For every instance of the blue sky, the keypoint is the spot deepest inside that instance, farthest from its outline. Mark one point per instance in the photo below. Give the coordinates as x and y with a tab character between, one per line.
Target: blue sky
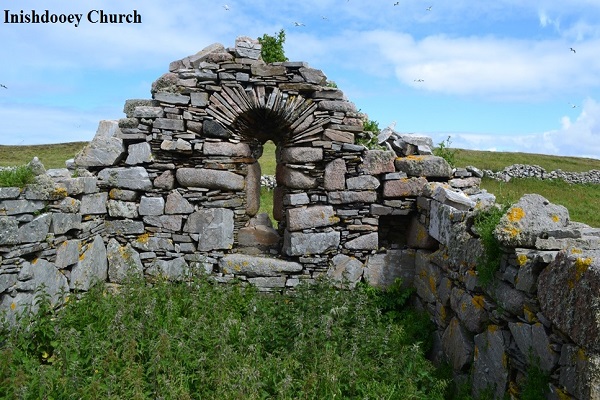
496	75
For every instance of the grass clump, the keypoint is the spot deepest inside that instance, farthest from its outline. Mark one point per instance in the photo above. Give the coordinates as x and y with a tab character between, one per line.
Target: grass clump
535	386
485	222
204	340
443	150
16	176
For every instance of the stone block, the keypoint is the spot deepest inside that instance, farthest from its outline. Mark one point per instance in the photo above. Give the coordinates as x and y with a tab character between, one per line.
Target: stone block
105	149
92	266
226	149
310	217
301	155
418	236
132	178
490	366
214	227
345	271
175	269
253	266
124	227
407	187
152	206
139	153
382	270
253	189
370	241
9	230
302	244
36	230
15	207
123	262
335	175
532	340
64	222
210	179
349	197
122	209
458	346
93	203
458	200
362	182
177	204
377	162
67	253
471	310
579	372
166	180
294	179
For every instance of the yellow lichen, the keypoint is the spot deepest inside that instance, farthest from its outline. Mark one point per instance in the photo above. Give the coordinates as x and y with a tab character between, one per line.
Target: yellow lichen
575	250
492	328
581	266
432	285
515	214
143	238
13	305
60	192
522	259
555	218
479	302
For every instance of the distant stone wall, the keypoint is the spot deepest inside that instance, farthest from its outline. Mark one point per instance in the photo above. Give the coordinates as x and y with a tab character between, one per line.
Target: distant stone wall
173	190
537	172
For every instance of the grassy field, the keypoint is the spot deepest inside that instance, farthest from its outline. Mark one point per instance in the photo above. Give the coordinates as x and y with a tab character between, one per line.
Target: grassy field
583	201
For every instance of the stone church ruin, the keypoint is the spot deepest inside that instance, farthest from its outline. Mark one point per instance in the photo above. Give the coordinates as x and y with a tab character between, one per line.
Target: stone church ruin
173	189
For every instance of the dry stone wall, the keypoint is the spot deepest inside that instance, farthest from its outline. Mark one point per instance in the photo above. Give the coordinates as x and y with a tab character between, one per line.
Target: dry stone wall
173	190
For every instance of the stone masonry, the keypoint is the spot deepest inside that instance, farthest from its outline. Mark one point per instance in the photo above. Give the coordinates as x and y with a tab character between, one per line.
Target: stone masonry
173	190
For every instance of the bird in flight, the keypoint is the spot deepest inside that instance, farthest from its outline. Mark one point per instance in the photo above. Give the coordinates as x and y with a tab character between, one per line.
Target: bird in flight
397	3
428	8
419	80
573	105
226	7
2	86
298	24
573	50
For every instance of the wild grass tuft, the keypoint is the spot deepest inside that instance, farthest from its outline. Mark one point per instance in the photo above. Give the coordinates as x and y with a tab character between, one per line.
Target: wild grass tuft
485	222
204	340
16	177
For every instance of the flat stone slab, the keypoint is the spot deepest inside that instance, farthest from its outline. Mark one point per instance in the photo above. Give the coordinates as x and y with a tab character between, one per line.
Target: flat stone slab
424	165
253	266
299	244
209	178
310	217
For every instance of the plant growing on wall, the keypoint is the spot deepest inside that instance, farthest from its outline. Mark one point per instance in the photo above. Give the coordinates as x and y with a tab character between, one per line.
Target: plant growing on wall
272	47
485	222
443	150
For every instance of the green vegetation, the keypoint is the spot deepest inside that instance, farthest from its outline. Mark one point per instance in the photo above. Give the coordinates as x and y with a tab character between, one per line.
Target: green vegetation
204	340
535	385
51	155
272	47
489	262
16	177
443	150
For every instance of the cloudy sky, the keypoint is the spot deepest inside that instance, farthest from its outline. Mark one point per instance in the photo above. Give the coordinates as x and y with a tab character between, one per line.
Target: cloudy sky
505	75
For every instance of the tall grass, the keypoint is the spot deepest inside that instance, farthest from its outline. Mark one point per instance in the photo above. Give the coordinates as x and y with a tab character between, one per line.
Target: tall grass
208	341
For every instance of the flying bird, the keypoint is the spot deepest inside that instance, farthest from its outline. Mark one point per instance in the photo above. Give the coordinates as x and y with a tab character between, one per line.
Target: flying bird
419	80
428	8
397	3
573	50
2	86
573	105
298	24
226	7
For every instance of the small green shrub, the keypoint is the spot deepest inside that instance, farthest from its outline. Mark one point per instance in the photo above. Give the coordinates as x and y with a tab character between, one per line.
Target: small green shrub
485	222
16	176
272	47
331	84
368	138
443	150
535	385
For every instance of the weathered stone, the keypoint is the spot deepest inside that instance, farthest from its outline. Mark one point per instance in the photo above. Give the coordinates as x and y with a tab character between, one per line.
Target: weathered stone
174	270
252	266
490	367
530	218
532	340
253	189
123	262
418	237
427	277
105	149
139	153
171	98
166	180
369	241
9	193
145	242
424	165
14	207
36	230
347	197
458	200
296	199
133	178
337	106
247	47
258	236
407	187
442	221
345	271
43	275
338	136
362	182
310	217
569	295
93	203
301	154
152	205
199	99
213	226
579	372
9	230
301	244
7	281
67	253
226	149
382	270
148	112
209	178
470	309
92	266
267	70
64	222
178	145
458	345
122	209
213	129
124	195
124	227
311	75
335	175
377	162
79	185
294	179
177	204
170	222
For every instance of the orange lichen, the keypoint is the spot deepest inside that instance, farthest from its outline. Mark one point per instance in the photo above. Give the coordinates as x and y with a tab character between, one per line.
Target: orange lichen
13	306
479	302
515	214
432	285
555	218
143	238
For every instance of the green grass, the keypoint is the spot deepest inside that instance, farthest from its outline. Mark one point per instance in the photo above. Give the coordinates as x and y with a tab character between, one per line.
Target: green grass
16	177
51	155
202	340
